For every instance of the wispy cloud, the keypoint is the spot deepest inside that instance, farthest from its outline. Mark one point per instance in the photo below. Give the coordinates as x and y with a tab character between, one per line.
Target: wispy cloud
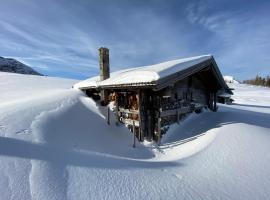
62	37
240	36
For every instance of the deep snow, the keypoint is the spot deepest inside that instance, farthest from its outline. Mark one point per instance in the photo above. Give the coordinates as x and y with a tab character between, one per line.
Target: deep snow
55	144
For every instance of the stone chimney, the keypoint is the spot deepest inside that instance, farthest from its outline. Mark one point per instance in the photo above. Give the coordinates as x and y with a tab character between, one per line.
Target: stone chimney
104	63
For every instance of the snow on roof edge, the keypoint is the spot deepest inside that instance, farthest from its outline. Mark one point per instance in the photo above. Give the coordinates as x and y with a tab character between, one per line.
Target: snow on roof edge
143	74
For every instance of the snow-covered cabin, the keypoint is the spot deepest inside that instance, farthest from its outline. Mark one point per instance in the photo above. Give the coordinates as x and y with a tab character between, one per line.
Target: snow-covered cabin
150	98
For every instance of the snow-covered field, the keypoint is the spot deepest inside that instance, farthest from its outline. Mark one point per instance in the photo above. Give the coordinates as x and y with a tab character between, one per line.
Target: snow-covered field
55	144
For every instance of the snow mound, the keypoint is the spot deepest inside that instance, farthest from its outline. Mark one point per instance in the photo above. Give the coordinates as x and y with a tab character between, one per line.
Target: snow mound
55	144
229	79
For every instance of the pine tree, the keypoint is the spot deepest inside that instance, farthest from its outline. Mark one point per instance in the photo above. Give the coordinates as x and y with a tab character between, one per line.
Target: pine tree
267	81
259	81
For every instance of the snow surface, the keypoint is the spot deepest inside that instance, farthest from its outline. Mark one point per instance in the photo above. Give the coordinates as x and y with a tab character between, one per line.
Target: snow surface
229	79
144	74
55	144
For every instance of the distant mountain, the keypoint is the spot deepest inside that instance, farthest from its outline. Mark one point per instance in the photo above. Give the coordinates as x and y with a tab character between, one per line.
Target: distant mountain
14	66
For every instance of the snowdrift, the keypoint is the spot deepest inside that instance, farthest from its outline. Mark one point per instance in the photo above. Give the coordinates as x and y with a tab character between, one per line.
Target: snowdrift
55	144
229	79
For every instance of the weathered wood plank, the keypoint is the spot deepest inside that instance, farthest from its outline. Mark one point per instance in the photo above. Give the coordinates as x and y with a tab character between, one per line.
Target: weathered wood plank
139	115
130	122
128	111
116	107
134	134
159	131
182	110
108	116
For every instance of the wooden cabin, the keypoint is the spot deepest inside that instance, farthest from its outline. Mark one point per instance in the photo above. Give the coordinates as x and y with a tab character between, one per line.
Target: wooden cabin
149	99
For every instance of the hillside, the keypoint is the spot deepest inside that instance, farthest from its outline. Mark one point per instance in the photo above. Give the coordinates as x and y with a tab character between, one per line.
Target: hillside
14	66
55	144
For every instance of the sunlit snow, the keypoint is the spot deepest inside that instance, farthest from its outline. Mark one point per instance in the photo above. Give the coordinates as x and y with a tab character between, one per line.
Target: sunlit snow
55	144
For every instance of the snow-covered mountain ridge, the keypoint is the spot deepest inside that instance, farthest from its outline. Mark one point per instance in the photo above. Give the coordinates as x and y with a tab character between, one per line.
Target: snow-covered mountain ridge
14	66
55	144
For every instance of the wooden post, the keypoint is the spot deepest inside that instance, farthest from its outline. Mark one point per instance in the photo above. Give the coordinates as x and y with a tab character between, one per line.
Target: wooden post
211	101
177	112
215	102
159	130
108	115
134	137
139	115
142	114
116	108
149	125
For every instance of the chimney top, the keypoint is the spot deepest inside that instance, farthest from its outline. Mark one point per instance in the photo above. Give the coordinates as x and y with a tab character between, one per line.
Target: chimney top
104	63
103	48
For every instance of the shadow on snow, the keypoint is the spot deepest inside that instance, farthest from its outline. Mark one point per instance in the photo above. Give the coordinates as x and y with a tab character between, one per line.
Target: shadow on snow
249	105
197	125
23	149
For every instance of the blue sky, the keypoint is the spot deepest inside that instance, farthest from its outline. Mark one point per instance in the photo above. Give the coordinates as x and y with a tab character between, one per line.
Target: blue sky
61	38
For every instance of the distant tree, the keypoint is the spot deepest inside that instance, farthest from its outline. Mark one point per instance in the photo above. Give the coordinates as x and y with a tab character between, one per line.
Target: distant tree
267	81
258	80
263	82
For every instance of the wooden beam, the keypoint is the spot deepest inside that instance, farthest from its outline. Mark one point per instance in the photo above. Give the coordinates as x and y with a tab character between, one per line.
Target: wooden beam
215	102
141	135
116	108
175	111
128	111
130	122
159	131
108	115
134	134
168	80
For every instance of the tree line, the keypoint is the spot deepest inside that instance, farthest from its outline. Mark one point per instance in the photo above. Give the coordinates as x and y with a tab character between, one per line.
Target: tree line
262	81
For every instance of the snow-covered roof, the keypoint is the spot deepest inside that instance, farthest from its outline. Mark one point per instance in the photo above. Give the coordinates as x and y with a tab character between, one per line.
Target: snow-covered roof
145	74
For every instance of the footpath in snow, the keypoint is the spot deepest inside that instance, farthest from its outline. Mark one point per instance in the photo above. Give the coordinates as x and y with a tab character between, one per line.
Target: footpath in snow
55	144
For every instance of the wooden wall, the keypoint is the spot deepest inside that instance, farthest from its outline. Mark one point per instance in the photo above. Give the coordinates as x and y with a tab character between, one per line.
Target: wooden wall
154	111
188	89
